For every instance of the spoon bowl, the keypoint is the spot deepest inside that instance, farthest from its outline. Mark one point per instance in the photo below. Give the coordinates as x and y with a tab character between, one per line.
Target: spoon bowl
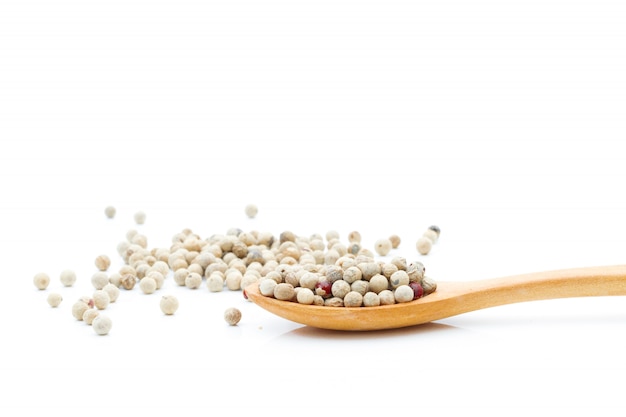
453	298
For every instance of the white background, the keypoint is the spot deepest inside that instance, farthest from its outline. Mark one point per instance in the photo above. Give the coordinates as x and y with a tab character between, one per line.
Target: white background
500	121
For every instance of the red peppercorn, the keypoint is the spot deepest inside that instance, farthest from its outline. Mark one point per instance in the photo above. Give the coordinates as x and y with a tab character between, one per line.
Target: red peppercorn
418	290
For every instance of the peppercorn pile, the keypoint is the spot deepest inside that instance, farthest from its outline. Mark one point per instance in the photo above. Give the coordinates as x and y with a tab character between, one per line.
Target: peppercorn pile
315	269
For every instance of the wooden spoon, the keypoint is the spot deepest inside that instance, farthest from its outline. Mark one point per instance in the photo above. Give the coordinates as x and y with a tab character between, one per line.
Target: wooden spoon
453	298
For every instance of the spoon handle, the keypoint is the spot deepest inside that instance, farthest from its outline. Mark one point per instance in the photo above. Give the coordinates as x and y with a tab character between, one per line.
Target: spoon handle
563	283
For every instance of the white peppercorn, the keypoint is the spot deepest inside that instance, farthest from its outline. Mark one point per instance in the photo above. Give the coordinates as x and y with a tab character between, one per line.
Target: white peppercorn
284	291
109	211
99	280
78	309
215	282
115	278
388	269
382	246
169	304
266	287
128	281
403	294
232	316
193	280
378	283
68	277
354	237
333	302
416	271
54	299
369	269
158	278
102	325
430	234
89	315
423	245
398	279
353	299
101	299
371	299
309	280
395	241
360	286
251	211
147	285
387	298
113	292
102	262
429	285
352	274
41	280
339	289
140	217
400	262
233	280
305	296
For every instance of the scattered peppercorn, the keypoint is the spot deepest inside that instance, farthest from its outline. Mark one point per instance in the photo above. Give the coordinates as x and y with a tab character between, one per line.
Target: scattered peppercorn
424	245
251	211
41	280
102	325
54	299
102	262
232	316
109	211
68	277
140	217
169	304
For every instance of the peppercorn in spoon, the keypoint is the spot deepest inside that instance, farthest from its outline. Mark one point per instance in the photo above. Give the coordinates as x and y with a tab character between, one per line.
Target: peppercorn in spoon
452	298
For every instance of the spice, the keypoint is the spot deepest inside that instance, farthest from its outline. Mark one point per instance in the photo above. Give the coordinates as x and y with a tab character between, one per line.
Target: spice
102	325
395	241
169	304
354	237
102	262
353	299
382	246
89	315
113	292
148	285
79	308
101	299
99	280
54	299
371	299
232	316
140	217
128	281
403	294
68	277
251	211
41	280
424	245
193	280
431	234
109	211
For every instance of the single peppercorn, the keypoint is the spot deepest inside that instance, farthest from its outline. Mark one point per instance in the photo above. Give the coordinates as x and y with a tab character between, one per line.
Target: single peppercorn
435	229
169	304
395	241
140	217
102	262
101	299
54	299
232	316
41	280
110	211
102	325
382	246
89	315
68	277
147	285
251	211
424	245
